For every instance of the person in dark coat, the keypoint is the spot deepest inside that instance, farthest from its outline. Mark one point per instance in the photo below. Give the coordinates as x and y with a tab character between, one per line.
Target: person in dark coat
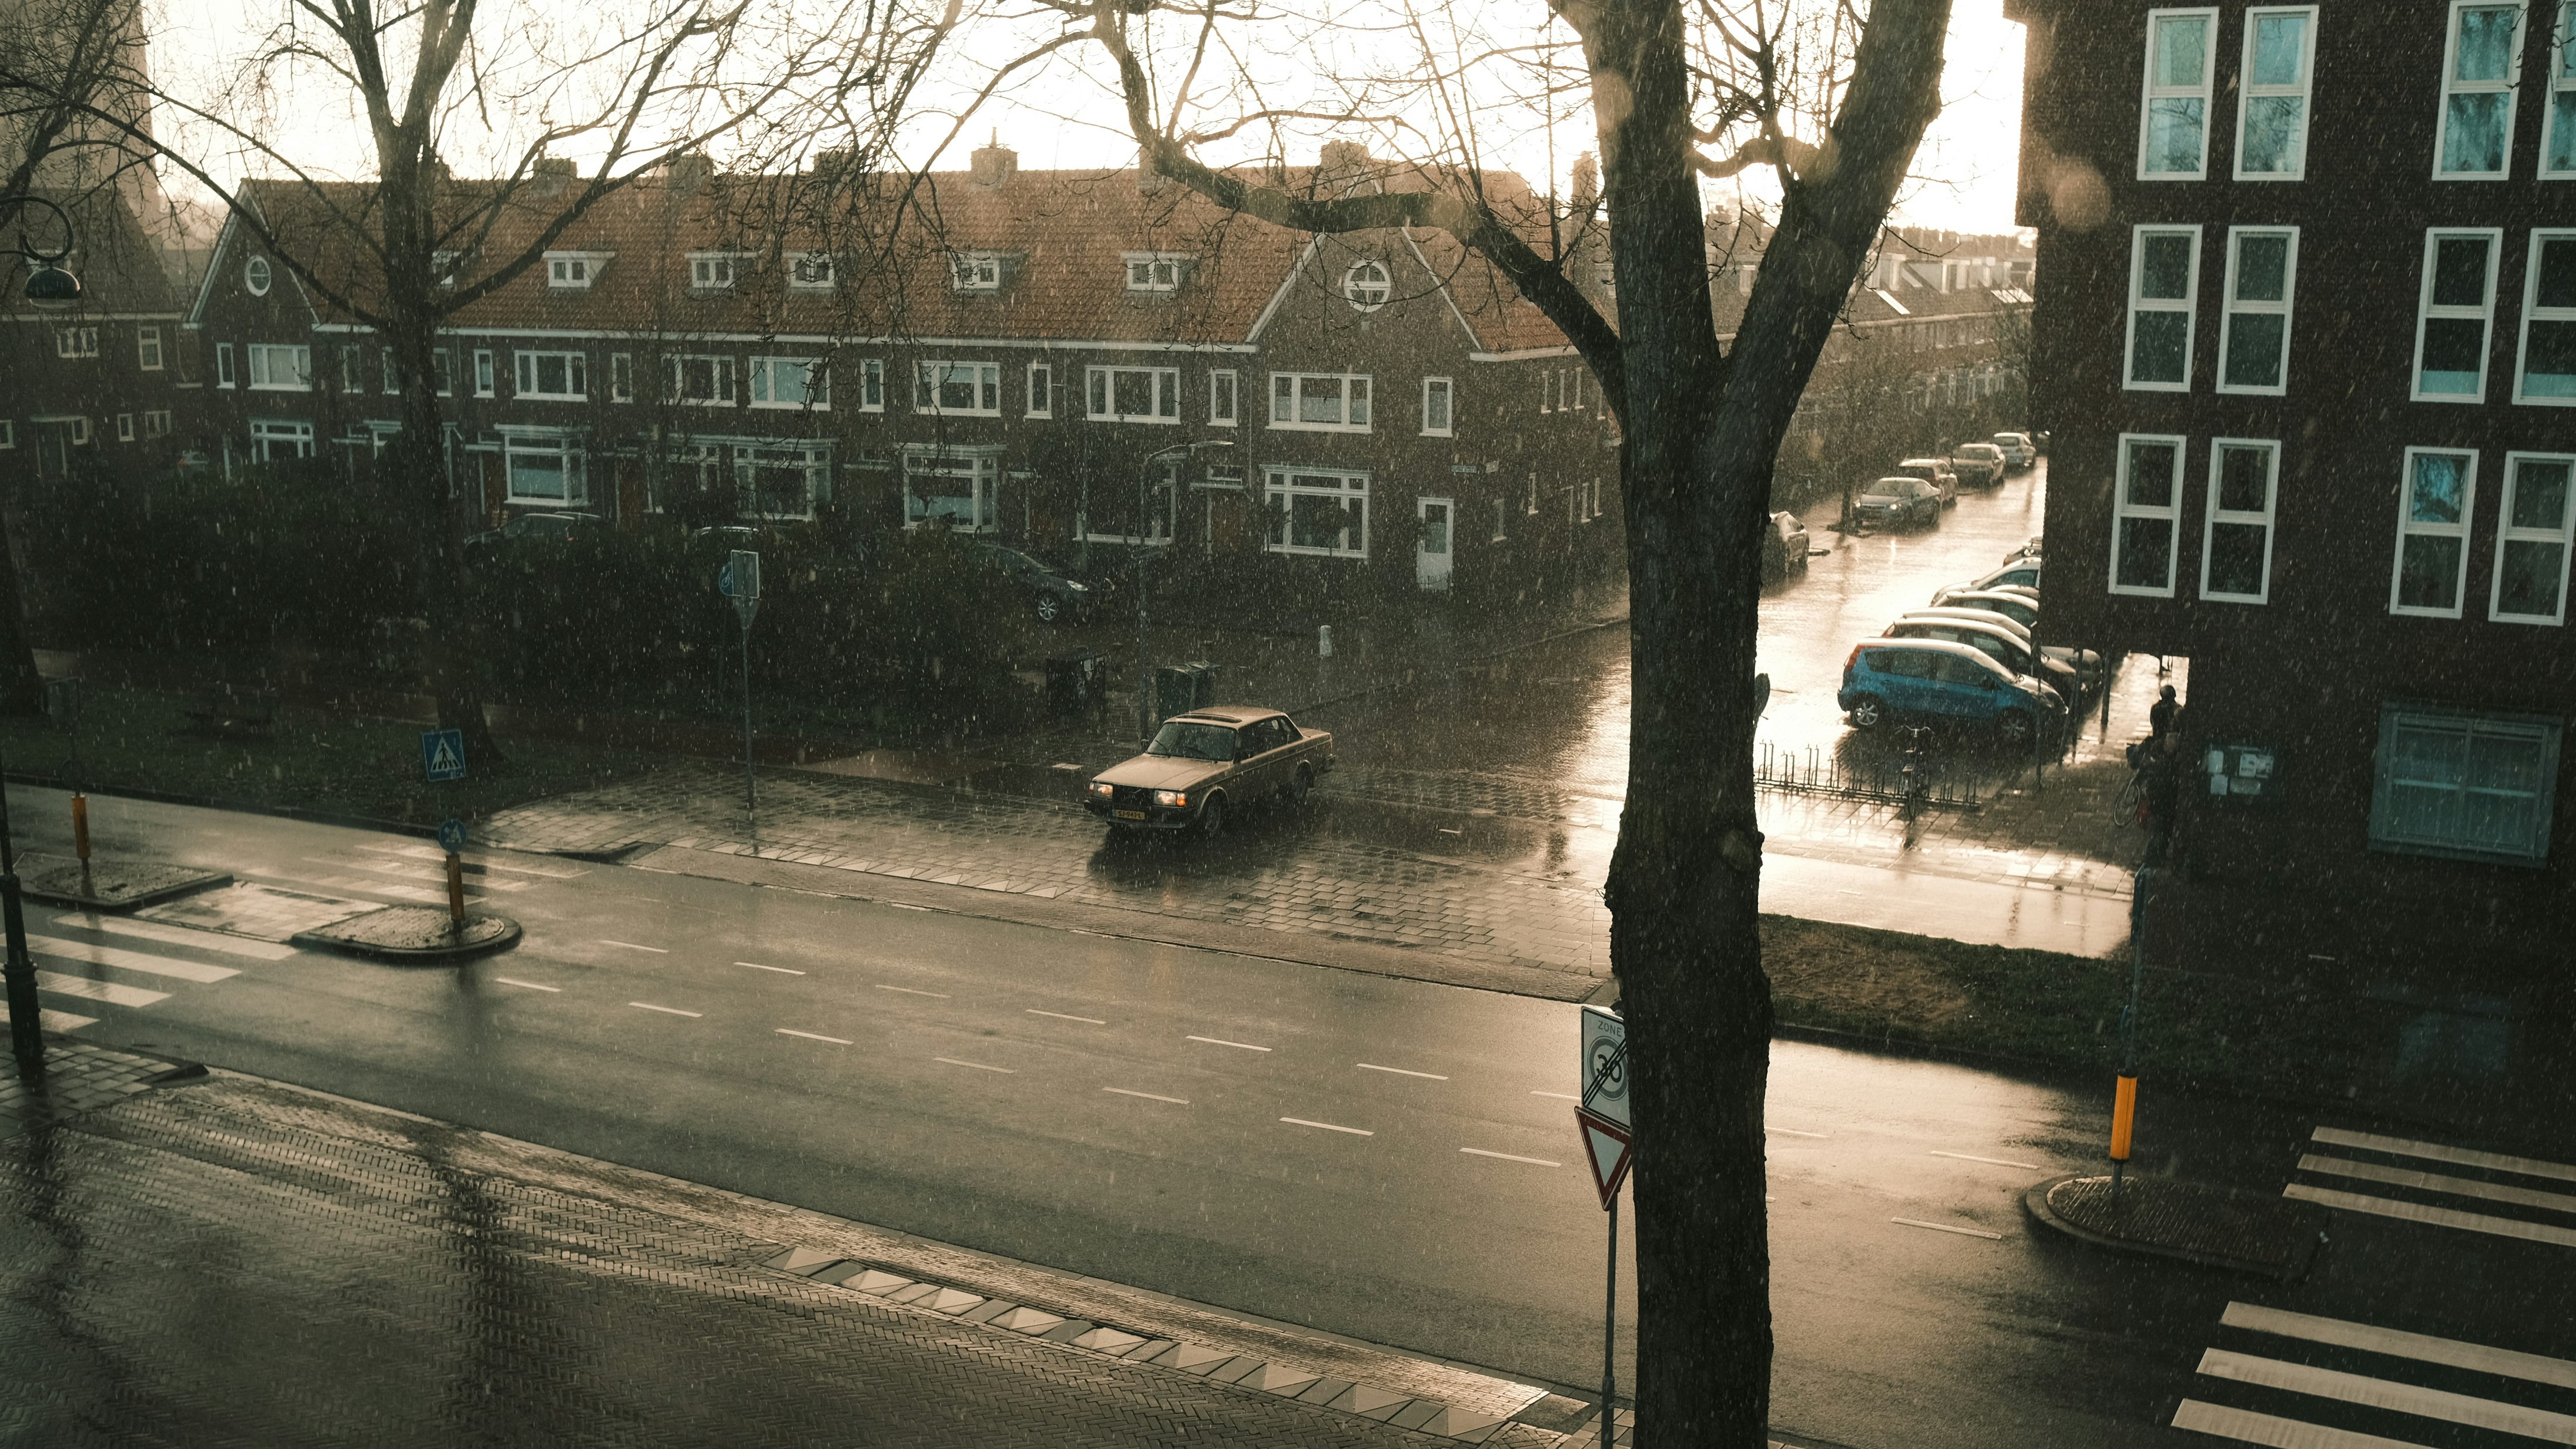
2162	715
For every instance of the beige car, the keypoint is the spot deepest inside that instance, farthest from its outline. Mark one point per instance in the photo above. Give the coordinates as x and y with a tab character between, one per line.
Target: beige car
1208	763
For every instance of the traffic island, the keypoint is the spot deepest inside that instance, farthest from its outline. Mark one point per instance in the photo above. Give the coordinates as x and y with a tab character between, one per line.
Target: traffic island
2215	1227
111	885
422	934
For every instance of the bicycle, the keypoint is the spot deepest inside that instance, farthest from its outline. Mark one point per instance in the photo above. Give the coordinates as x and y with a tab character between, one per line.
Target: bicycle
1917	776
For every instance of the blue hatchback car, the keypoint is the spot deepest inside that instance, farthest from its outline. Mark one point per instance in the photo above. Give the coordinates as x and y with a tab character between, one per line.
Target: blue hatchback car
1932	679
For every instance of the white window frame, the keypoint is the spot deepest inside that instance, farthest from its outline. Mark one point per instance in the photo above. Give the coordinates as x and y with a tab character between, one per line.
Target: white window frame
2212	517
2188	306
1279	486
722	391
814	458
2304	89
527	368
1502	520
2407	528
2508	86
76	342
147	349
817	384
156	422
717	271
1547	390
1155	272
987	384
258	276
1348	384
574	271
8	434
2149	92
267	433
391	372
554	442
2545	732
2484	313
2558	132
2231	307
1162	511
442	371
1040	383
2563	536
223	364
981	467
2532	312
872	385
812	272
262	362
1100	395
1367	293
975	271
1446	389
125	427
621	377
1225	398
487	375
2123	512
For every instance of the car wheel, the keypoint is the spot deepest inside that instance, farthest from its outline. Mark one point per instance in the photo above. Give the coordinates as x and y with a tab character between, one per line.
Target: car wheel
1212	817
1299	786
2014	726
1049	608
1868	712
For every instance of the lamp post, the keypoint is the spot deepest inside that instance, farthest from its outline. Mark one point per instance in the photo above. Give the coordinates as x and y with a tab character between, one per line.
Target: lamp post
1144	485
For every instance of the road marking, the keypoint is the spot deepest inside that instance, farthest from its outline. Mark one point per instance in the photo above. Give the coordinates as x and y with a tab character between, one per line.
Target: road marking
107	991
398	873
128	960
1507	1157
1949	1228
1060	1016
2439	1152
1995	1161
1237	1045
673	1010
1560	1096
1401	1072
2248	1427
2400	1344
1149	1096
2415	1212
181	936
979	1066
631	946
1792	1132
912	991
781	970
2438	1182
530	985
55	1020
904	906
432	852
2299	1378
814	1036
1329	1127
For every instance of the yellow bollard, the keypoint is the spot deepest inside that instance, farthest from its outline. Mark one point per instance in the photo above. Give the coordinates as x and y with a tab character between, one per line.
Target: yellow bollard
455	889
2124	1110
80	827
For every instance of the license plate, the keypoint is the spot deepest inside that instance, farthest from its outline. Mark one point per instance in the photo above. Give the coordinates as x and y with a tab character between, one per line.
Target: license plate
1131	814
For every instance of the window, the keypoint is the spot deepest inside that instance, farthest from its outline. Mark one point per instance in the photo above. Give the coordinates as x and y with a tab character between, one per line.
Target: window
1502	518
353	365
553	375
255	276
2476	131
1134	394
1366	286
1109	511
706	381
1319	402
1547	391
2457	307
442	265
275	368
8	433
2433	532
76	342
872	386
621	377
811	272
2146	516
392	371
2164	274
2254	335
147	348
2545	367
272	439
1318	513
1435	407
1569	390
545	467
713	271
223	364
2457	784
784	481
125	427
2236	538
1224	407
483	372
2533	539
2558	148
441	373
2173	126
1041	390
1154	271
156	423
972	388
951	490
975	271
2272	107
790	382
575	270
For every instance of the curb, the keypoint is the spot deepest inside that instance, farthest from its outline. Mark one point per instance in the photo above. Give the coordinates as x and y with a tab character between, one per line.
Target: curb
2035	1204
505	933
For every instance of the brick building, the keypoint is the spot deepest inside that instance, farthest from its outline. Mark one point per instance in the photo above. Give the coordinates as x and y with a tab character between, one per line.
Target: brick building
104	389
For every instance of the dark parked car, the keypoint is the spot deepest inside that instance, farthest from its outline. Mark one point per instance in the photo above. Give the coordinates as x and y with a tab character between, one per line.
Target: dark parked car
1051	595
1207	762
1897	502
1784	548
1979	465
1929	679
542	525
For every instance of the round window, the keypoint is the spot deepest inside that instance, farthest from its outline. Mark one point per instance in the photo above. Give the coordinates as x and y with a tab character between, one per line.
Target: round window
255	276
1366	286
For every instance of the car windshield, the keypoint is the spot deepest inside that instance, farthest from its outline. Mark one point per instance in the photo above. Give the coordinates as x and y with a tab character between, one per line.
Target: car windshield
1192	740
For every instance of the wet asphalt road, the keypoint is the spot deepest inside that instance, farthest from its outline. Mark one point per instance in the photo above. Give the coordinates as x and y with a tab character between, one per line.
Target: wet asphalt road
1384	1159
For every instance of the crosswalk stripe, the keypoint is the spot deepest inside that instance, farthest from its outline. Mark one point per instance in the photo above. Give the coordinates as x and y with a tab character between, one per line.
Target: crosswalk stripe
2247	1427
2398	1343
180	936
2439	1182
437	878
2443	1152
2299	1378
128	960
113	993
472	863
55	1020
2417	1212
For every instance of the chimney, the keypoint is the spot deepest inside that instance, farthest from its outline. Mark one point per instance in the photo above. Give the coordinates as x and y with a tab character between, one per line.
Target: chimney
992	166
553	175
686	174
1343	169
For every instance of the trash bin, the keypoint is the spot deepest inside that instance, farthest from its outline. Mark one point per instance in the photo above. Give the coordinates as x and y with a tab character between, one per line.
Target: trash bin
1180	688
1073	682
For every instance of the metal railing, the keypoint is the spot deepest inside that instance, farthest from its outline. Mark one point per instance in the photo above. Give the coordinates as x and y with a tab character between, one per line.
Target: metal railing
1811	771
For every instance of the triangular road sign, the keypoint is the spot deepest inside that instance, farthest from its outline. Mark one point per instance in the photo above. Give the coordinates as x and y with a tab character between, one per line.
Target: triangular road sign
1605	1147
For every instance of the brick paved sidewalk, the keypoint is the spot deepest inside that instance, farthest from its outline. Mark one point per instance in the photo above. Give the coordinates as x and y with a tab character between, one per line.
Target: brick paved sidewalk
230	1261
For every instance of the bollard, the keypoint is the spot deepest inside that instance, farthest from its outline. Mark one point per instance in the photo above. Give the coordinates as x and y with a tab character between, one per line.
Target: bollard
80	828
455	891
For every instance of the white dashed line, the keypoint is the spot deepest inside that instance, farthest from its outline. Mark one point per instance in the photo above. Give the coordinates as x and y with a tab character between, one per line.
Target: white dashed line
1060	1016
1237	1045
1992	1161
1792	1132
911	991
1507	1157
1560	1096
1399	1071
814	1036
979	1066
1948	1228
527	985
1327	1126
781	970
672	1010
1149	1096
631	946
904	906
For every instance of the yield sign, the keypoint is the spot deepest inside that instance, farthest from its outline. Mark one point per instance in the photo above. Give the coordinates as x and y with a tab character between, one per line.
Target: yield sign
1605	1146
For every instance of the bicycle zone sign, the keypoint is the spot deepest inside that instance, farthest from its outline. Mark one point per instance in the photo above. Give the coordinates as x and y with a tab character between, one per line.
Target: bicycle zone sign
1603	1116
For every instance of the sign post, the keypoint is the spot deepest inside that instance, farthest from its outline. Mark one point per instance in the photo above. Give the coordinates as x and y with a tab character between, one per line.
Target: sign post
451	838
739	580
1603	1120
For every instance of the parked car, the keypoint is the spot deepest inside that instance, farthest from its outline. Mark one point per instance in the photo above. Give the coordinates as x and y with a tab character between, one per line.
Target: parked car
2005	641
1205	764
1932	679
2023	571
1979	465
541	525
2021	606
2018	450
1784	548
1935	471
1897	502
2030	549
1051	596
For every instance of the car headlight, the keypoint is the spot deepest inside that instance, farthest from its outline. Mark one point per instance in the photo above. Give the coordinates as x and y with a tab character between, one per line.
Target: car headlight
1078	588
1102	788
1171	797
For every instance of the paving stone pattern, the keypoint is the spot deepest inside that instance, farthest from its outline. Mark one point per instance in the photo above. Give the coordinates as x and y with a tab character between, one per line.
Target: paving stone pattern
77	1077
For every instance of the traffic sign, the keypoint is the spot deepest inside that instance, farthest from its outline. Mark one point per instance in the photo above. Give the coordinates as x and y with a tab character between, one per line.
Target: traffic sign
1605	1064
739	580
442	755
1606	1149
451	835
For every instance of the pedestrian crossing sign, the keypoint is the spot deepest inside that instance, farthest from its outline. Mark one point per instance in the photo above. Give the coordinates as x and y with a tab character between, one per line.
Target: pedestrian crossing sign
442	755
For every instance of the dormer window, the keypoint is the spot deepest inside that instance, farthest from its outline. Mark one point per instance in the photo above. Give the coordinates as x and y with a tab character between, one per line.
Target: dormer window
574	271
811	272
442	267
1155	271
975	271
713	271
1366	286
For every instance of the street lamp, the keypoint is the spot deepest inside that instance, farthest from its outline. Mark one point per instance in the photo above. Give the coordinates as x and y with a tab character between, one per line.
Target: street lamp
50	287
1144	667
